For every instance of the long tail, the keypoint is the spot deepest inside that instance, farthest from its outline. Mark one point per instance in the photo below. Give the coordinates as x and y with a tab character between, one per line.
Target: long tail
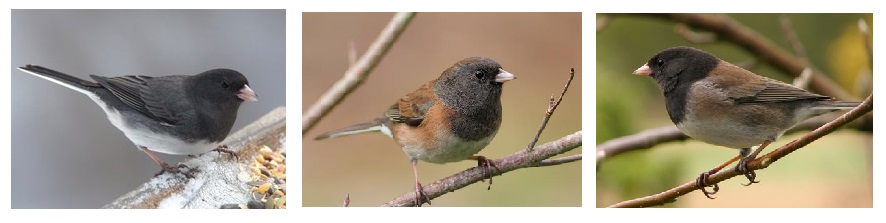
66	80
376	125
836	105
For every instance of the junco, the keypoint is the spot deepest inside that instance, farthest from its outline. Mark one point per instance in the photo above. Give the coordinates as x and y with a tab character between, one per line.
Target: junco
722	104
446	120
182	114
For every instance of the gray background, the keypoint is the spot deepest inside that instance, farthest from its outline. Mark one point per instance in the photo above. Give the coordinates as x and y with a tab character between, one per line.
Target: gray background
65	153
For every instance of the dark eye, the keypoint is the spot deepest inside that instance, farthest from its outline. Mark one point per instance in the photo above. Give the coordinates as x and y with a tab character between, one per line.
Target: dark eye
659	62
478	74
225	85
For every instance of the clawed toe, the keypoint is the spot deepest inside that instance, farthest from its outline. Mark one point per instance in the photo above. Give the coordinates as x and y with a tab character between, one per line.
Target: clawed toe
488	167
224	149
420	196
702	182
178	169
748	173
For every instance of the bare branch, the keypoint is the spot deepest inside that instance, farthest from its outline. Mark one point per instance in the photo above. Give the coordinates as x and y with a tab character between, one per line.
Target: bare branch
643	140
757	164
551	107
522	159
358	72
694	37
558	161
352	53
792	38
652	137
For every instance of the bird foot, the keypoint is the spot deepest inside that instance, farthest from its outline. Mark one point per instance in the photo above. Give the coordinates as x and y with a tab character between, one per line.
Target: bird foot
167	168
488	167
420	196
702	182
224	149
742	168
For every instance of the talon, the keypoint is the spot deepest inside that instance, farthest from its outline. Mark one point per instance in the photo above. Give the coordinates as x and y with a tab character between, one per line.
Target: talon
487	165
166	168
702	181
224	149
420	196
748	173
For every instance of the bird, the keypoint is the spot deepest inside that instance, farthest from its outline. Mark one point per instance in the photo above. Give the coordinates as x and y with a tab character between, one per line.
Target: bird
178	114
448	119
719	103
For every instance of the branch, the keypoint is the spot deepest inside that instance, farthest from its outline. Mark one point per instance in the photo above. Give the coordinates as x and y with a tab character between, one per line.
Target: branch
652	137
357	72
522	159
792	38
692	36
221	179
767	51
757	164
643	140
558	161
552	105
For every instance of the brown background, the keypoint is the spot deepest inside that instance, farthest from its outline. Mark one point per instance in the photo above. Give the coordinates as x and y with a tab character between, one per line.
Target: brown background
539	48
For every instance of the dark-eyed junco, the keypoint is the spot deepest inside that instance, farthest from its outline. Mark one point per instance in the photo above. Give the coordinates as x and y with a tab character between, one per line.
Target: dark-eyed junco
722	104
182	114
446	120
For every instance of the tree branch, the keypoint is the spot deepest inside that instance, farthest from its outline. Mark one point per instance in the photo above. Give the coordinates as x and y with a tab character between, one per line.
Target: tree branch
357	72
757	164
692	36
522	159
558	161
729	29
652	137
552	105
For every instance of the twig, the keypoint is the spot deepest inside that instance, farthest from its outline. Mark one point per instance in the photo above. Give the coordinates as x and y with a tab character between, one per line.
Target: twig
552	105
802	80
558	161
747	64
729	29
643	140
352	53
522	159
358	72
694	37
757	164
792	38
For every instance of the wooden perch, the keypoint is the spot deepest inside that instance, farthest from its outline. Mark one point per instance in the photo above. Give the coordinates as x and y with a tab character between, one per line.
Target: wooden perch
221	179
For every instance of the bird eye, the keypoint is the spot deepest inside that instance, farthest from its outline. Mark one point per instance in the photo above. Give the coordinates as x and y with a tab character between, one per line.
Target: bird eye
659	62
478	74
225	85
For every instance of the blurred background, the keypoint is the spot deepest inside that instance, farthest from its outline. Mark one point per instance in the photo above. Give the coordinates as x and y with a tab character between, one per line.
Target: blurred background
65	153
539	48
834	171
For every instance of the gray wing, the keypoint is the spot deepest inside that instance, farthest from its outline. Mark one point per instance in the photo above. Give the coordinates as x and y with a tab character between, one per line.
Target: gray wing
135	92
